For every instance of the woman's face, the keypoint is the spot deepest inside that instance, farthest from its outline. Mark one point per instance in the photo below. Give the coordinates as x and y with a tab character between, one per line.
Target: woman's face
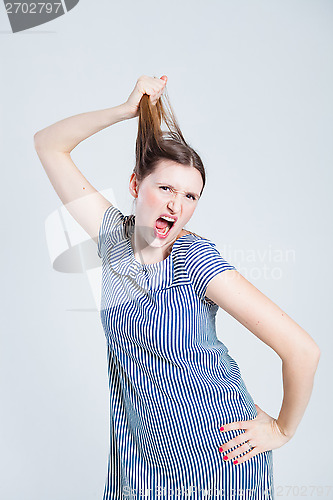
172	190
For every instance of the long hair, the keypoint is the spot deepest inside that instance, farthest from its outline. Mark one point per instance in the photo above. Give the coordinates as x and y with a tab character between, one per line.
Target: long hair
153	144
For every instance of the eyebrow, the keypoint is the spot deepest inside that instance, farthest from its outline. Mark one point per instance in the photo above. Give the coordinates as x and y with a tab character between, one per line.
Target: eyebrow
169	185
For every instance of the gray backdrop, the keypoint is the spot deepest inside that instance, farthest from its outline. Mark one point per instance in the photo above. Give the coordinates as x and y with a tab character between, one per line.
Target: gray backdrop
251	86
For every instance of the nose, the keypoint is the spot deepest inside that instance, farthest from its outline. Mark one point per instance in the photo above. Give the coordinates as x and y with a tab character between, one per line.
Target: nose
175	202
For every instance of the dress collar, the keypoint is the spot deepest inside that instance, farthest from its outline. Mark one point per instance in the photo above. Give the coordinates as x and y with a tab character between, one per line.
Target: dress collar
121	259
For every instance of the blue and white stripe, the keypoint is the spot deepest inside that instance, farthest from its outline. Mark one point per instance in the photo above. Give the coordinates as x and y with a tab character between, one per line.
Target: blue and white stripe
172	381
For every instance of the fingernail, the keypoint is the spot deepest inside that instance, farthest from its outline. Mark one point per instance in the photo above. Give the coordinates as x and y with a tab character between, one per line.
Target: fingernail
225	457
220	448
235	462
221	428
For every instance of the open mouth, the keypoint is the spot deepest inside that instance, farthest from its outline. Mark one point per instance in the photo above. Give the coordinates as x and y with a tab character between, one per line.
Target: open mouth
163	225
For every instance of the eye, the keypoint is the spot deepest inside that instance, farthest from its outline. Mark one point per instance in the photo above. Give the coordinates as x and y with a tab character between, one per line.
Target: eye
164	187
193	198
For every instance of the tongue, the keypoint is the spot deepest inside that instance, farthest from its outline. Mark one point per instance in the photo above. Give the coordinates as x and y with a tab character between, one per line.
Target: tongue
161	223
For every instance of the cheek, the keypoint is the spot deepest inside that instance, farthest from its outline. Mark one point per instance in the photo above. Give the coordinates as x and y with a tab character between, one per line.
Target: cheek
190	211
150	199
154	199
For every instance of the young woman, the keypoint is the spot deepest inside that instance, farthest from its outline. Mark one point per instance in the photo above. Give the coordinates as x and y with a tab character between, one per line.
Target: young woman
183	424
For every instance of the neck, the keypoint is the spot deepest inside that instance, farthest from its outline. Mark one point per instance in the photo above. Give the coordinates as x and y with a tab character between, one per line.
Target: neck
147	254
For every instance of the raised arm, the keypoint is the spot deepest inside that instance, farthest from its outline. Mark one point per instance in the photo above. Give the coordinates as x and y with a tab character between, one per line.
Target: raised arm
54	144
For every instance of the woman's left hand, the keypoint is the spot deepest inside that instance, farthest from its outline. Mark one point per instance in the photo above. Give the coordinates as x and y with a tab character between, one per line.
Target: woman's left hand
262	433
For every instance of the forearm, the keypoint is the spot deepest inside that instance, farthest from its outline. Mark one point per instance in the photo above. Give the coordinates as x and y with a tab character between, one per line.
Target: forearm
298	376
66	134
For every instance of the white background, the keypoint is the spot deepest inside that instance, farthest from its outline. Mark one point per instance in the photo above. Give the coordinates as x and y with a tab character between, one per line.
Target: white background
251	85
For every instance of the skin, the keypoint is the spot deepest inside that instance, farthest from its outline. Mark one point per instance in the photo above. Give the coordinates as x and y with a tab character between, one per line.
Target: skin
55	143
229	289
153	198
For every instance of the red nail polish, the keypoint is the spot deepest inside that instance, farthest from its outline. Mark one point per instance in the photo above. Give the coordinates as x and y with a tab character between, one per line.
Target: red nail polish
235	462
220	448
225	457
221	428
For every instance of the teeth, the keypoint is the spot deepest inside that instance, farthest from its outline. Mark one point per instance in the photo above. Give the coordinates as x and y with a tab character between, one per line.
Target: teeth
167	218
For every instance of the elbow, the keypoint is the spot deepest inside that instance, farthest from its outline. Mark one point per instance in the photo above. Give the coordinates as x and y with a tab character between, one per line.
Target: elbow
41	140
309	353
36	140
315	358
314	351
317	354
313	355
44	143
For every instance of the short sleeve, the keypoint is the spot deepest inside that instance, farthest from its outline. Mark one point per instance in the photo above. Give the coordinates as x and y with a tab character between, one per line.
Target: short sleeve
111	225
202	262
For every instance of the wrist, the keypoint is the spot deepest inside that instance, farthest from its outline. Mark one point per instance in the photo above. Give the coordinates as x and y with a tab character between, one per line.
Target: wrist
125	112
284	430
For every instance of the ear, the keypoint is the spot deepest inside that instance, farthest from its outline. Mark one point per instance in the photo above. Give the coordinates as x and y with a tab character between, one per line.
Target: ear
133	185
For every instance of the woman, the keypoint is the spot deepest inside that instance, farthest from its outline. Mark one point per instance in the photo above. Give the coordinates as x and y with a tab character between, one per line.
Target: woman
183	424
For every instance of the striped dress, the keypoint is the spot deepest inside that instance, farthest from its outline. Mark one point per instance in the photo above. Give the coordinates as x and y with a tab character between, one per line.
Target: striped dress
172	382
